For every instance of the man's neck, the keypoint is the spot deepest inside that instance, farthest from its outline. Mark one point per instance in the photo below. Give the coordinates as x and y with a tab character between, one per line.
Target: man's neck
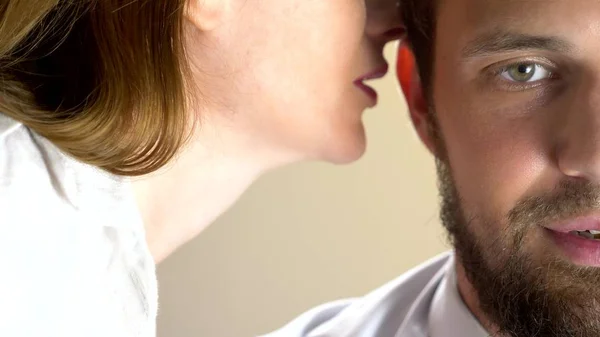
469	297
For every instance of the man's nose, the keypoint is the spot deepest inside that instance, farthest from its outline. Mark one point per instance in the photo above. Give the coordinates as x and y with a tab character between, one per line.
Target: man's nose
578	148
384	22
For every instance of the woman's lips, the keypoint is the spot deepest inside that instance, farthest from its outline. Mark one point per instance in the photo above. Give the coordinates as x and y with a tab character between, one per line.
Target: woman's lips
369	91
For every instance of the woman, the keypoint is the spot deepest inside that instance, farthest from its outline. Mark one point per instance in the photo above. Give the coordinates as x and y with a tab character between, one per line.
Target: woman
126	127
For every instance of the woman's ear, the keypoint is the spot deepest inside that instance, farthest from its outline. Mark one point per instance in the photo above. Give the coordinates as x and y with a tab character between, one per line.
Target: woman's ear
206	15
412	88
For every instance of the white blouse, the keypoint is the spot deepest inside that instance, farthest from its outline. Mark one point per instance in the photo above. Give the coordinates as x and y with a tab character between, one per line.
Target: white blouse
73	255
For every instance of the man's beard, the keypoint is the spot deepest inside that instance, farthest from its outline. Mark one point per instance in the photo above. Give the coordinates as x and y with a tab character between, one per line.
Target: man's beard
523	295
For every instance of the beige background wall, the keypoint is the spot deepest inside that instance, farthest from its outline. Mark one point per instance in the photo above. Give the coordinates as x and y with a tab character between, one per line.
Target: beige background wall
309	234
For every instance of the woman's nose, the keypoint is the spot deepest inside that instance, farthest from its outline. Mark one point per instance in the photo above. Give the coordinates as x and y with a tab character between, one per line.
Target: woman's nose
384	22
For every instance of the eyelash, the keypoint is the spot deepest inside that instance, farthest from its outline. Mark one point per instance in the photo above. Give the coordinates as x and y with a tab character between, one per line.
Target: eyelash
497	72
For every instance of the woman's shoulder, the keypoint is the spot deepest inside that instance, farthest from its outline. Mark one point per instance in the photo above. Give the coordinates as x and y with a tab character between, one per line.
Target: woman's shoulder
41	184
29	164
9	126
34	171
71	243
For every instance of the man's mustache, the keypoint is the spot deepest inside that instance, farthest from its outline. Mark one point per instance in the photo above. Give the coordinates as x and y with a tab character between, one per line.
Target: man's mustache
570	199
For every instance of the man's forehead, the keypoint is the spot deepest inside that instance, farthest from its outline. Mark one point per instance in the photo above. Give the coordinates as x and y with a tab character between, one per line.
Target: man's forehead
466	20
520	11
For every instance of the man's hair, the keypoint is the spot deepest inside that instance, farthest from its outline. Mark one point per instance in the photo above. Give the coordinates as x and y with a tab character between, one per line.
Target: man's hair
101	79
420	19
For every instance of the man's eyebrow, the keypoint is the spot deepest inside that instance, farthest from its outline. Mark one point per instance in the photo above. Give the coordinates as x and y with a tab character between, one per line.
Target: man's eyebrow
500	41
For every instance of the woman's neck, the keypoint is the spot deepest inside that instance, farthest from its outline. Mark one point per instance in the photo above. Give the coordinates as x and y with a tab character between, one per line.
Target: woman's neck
209	175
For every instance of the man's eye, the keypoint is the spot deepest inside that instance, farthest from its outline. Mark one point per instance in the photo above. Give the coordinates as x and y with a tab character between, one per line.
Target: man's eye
525	73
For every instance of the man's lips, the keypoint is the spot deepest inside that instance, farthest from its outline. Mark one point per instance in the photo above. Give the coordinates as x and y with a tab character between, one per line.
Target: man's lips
581	223
573	238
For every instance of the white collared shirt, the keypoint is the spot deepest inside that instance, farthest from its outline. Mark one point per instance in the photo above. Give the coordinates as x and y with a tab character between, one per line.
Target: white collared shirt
424	302
73	255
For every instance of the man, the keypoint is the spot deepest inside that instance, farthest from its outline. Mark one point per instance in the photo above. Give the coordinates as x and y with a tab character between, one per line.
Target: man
508	101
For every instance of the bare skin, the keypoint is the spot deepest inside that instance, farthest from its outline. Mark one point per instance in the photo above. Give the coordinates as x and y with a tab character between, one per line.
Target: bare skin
276	84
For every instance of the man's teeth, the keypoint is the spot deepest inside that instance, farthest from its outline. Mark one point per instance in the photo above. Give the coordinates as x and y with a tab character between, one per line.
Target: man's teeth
589	234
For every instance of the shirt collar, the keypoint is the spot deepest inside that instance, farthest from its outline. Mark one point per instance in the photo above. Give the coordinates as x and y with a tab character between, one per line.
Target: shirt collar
448	314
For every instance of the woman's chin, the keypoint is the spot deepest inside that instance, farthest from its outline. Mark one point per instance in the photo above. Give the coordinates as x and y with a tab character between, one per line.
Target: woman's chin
339	149
346	151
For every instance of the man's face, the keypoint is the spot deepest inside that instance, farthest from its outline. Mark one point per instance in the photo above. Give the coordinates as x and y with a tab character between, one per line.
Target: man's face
516	101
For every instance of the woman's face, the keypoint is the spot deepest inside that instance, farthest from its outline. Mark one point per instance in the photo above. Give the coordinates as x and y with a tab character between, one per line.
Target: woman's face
289	72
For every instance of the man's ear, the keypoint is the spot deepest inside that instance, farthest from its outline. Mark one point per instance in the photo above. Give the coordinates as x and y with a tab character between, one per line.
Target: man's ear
206	15
412	88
